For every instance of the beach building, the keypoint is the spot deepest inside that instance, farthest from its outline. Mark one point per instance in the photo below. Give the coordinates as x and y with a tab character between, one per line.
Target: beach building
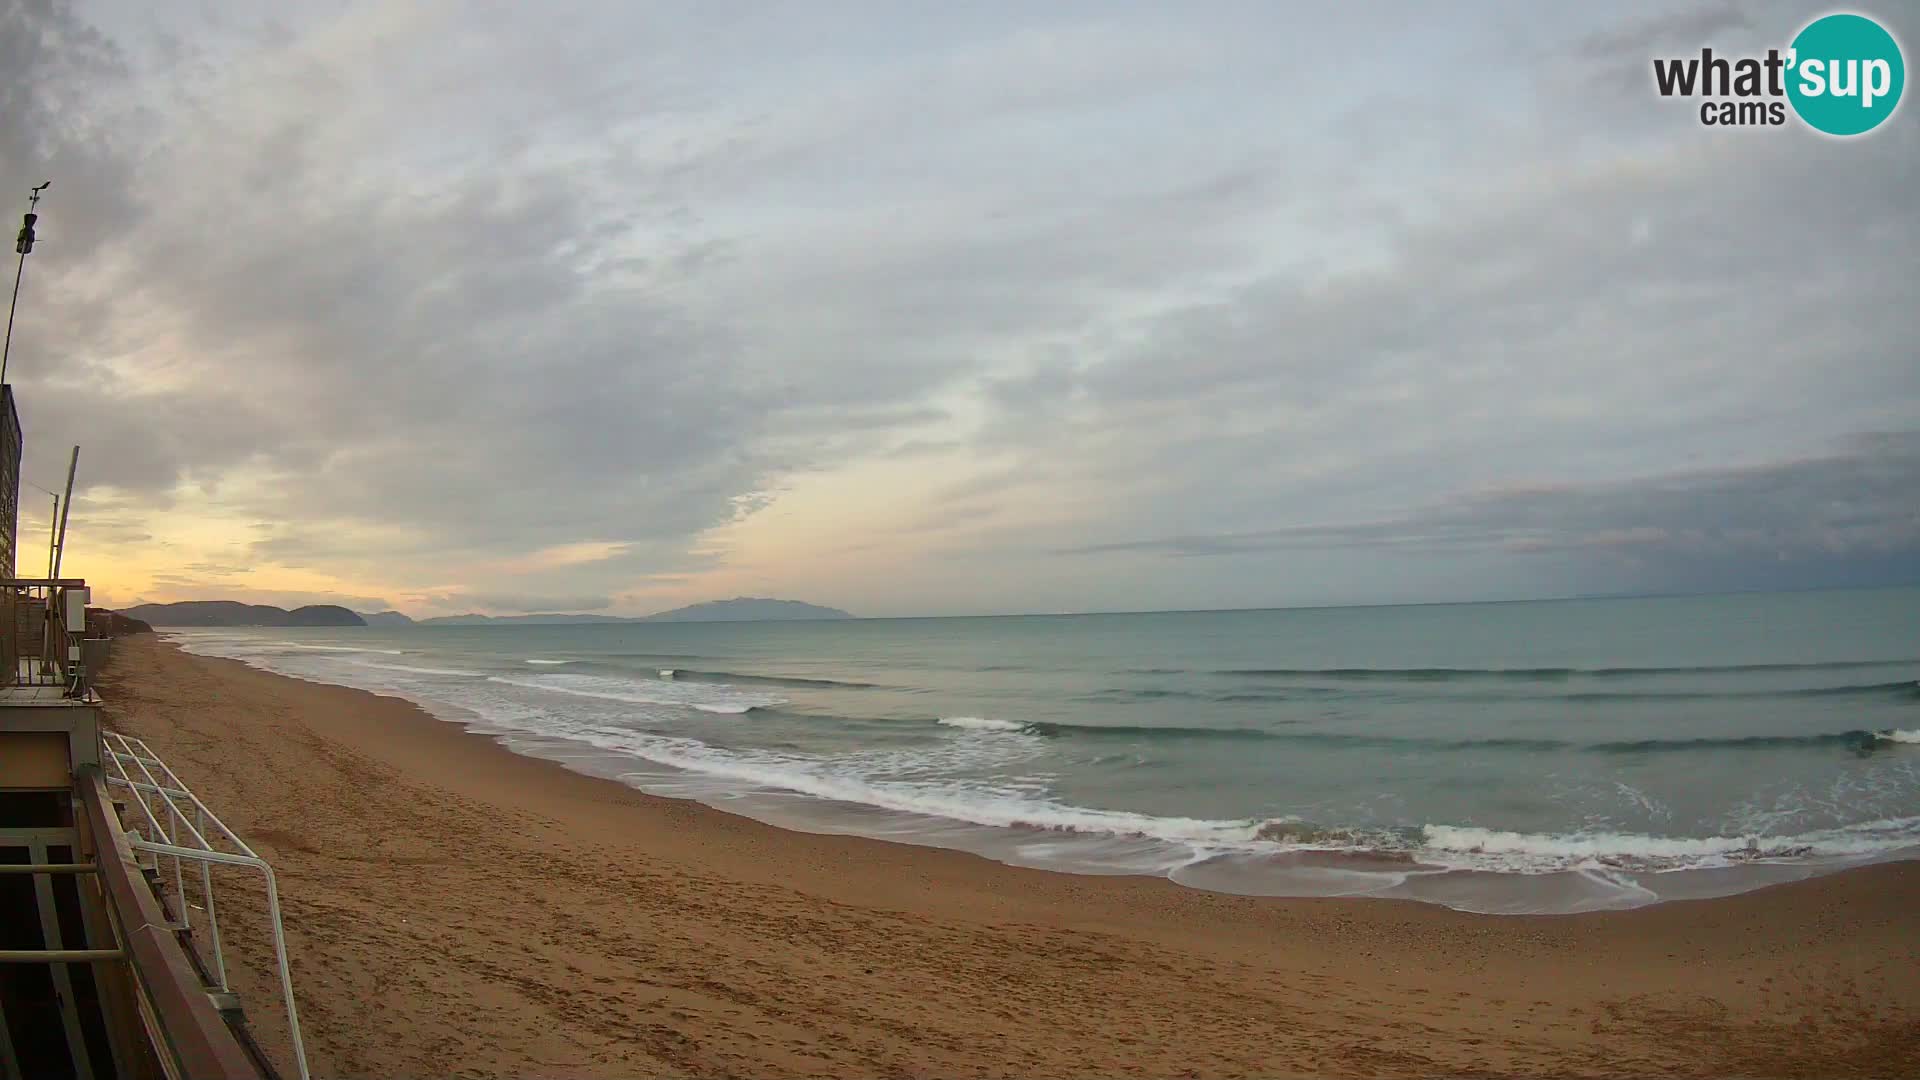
111	959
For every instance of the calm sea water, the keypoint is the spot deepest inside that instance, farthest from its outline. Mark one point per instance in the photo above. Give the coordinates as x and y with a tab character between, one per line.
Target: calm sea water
1550	756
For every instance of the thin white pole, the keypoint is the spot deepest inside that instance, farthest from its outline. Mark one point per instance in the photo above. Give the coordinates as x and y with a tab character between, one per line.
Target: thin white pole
66	511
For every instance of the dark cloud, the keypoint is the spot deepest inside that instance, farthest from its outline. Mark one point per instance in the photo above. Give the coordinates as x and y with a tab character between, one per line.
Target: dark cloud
1559	325
1813	514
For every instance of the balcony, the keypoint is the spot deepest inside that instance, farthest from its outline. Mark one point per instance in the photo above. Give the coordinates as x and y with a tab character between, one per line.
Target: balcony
44	648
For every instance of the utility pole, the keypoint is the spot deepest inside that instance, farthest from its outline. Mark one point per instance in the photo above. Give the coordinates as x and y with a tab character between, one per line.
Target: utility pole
24	245
53	534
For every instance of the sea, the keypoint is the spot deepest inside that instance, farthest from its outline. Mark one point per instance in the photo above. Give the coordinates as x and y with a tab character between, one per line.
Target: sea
1552	756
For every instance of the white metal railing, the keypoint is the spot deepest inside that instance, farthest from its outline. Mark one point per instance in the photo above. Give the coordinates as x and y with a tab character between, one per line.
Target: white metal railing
183	837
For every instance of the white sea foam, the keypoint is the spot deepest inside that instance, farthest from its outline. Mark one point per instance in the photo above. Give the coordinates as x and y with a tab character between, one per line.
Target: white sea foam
982	723
1468	839
667	673
1900	736
960	801
1497	849
549	663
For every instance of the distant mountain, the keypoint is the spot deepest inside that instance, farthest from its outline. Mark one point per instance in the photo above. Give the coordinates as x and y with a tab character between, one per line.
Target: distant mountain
104	623
748	609
233	613
384	618
323	615
739	609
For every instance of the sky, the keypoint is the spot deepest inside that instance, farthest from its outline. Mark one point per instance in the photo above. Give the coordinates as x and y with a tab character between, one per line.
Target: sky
949	309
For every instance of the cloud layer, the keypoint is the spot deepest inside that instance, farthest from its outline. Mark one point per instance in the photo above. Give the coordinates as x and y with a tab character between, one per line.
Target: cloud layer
639	307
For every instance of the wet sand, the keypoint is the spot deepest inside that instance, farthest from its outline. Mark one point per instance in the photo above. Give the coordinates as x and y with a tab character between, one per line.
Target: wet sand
455	909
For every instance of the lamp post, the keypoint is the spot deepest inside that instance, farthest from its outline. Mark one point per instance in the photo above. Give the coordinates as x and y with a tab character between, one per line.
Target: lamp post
24	245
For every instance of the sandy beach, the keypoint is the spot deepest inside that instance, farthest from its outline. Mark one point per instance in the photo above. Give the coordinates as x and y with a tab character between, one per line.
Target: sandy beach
455	909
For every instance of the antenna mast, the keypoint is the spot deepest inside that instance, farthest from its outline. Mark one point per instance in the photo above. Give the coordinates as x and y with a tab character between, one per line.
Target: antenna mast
24	245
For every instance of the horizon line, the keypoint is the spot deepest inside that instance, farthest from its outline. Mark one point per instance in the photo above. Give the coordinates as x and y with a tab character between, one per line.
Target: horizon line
601	616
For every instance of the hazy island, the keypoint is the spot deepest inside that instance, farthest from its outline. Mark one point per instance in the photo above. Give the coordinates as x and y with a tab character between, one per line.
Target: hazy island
738	609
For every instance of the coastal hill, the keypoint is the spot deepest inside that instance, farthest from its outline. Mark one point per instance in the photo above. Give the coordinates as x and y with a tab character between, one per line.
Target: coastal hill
233	613
739	609
104	623
385	618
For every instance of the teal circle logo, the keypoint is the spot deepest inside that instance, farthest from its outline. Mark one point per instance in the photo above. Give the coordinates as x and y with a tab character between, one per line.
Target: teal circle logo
1845	74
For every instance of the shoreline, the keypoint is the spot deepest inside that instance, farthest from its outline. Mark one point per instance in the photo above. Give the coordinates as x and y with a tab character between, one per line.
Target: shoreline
1514	873
454	906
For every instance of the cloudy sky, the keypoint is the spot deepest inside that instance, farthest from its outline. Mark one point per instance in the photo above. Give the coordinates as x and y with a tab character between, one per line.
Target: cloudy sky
921	309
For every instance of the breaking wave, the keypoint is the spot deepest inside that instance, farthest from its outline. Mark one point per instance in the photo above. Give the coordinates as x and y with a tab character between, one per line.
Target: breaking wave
983	723
336	648
1858	741
1386	690
1534	853
420	670
1542	674
952	800
711	699
997	772
741	678
1439	846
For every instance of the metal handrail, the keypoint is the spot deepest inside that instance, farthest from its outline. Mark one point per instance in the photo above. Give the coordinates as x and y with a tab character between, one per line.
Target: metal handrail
47	651
178	1015
168	789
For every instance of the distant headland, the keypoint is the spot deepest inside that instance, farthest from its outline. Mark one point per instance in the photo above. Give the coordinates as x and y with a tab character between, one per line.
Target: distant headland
233	613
